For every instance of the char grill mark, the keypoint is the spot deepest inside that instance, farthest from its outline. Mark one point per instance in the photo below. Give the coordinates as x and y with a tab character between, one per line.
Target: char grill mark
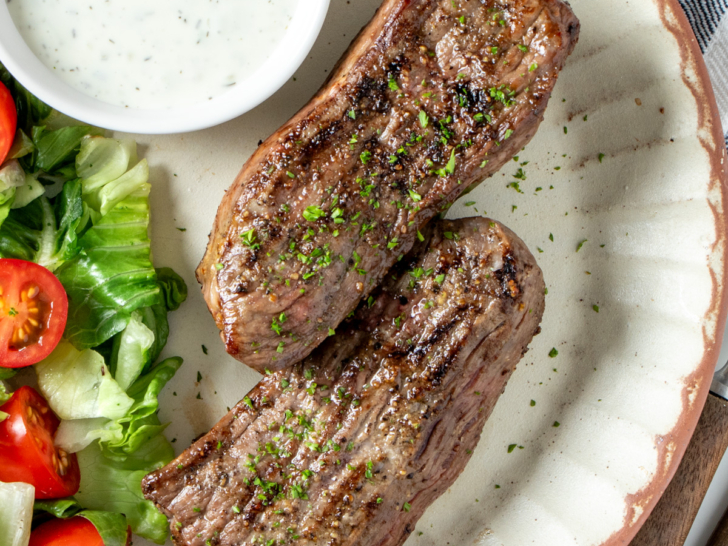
350	446
430	99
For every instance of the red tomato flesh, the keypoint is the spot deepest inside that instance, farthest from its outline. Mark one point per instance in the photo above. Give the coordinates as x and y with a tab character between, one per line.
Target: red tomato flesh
33	312
27	452
75	531
8	121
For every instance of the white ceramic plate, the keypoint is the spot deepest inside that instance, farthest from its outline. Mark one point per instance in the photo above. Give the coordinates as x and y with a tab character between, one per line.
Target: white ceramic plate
629	380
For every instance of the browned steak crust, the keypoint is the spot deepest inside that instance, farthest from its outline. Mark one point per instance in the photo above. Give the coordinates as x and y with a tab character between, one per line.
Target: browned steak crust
349	447
431	98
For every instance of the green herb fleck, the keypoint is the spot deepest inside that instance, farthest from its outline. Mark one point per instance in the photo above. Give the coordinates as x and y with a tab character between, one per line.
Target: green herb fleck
424	119
313	213
553	353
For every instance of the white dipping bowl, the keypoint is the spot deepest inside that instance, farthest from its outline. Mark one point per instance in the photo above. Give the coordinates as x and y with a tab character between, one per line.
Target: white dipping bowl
288	55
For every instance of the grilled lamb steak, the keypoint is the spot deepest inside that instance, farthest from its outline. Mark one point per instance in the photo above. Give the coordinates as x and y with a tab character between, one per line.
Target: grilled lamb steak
350	446
431	98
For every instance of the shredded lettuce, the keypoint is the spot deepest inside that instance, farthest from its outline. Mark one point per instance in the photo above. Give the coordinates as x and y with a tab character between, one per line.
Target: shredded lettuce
16	513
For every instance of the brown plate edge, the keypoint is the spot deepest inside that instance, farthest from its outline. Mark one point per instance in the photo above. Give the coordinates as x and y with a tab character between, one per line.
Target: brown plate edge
672	446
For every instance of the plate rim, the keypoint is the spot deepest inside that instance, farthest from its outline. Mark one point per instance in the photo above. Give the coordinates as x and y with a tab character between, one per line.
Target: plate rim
697	385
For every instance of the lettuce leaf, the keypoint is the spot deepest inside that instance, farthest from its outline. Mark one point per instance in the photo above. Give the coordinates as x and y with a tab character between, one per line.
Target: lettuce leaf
31	110
111	526
16	513
131	354
103	164
5	373
78	385
55	151
46	233
110	486
112	276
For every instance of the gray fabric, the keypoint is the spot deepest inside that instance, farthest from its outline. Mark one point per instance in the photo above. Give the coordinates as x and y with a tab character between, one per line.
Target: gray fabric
709	19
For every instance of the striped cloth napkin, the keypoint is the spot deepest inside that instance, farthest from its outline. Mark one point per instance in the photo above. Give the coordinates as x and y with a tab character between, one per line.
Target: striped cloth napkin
709	19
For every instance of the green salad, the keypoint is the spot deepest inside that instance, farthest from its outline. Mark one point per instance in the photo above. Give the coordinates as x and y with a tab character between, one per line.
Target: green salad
77	203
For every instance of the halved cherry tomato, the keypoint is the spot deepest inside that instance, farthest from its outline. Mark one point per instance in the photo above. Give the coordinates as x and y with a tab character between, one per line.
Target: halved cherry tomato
75	531
33	312
27	452
8	121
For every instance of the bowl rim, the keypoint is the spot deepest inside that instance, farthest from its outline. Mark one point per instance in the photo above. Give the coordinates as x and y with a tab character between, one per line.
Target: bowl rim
275	71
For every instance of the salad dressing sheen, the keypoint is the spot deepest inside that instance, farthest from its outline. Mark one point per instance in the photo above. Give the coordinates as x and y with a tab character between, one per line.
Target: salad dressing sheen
152	53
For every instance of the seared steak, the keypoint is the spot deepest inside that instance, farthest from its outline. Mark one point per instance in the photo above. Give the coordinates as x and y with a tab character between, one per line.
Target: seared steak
350	446
431	98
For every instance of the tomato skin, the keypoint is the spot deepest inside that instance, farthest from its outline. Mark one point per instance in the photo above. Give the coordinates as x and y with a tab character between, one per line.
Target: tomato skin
26	448
49	302
76	531
8	121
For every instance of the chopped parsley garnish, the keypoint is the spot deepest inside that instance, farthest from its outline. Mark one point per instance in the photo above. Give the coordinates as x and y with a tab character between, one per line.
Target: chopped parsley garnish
365	156
416	197
512	447
533	67
313	213
596	308
449	168
424	120
556	424
248	402
420	237
601	156
249	238
352	114
406	507
440	279
553	353
523	48
581	244
290	174
393	84
502	94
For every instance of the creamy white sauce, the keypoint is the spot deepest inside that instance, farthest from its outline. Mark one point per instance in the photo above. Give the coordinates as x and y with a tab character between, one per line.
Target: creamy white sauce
152	53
